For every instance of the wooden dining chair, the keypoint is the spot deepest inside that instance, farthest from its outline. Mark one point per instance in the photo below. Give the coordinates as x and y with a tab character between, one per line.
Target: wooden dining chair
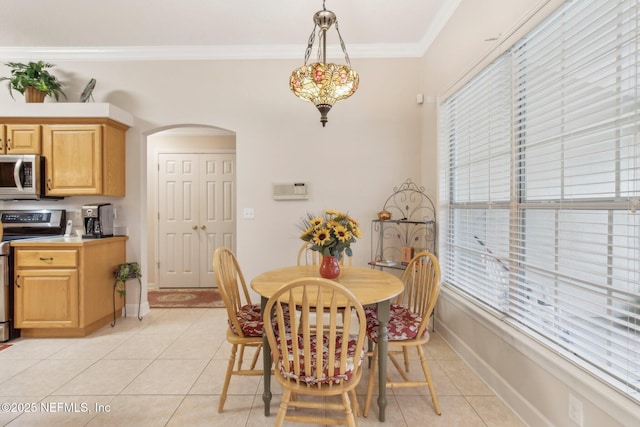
346	259
306	256
322	364
408	325
244	317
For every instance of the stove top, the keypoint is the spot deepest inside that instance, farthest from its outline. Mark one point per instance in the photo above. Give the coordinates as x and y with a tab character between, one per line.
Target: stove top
30	224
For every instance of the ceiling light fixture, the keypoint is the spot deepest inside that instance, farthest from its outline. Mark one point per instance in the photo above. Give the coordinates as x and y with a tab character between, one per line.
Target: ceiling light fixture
321	83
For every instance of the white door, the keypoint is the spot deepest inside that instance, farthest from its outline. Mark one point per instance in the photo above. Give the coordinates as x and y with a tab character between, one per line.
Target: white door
196	214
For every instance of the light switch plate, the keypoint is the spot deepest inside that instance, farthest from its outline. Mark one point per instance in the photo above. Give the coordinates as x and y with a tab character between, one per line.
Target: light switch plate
248	213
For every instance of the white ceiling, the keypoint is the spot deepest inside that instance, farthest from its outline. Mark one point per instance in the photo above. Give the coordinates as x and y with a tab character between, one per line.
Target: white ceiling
217	28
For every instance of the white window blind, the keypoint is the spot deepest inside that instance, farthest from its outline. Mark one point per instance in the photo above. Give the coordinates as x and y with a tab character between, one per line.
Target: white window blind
540	187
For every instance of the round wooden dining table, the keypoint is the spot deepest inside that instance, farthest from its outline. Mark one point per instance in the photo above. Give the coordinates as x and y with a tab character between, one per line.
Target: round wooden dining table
368	286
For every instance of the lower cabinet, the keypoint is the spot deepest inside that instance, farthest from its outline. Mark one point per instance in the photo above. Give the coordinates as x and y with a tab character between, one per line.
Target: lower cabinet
47	299
65	289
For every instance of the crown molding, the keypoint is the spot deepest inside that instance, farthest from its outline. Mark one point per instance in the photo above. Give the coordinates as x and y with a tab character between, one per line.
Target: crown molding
439	21
183	53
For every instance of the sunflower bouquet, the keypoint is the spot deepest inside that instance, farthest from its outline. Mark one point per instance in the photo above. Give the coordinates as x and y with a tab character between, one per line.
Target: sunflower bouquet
331	233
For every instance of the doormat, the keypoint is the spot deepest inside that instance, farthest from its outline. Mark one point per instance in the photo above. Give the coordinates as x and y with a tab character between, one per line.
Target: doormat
185	298
3	346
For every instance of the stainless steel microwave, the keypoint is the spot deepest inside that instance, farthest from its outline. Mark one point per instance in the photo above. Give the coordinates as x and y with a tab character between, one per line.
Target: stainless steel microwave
21	176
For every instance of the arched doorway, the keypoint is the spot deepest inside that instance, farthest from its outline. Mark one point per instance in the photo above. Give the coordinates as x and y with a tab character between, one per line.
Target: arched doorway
191	203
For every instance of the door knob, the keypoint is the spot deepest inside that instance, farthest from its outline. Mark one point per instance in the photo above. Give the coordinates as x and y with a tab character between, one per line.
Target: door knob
194	227
203	227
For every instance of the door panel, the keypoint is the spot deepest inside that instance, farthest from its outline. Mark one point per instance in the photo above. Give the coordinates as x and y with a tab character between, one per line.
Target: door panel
178	213
23	139
217	209
74	159
46	298
205	217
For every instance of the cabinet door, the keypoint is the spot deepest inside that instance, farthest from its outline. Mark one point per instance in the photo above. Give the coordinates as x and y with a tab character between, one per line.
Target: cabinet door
46	298
23	139
73	163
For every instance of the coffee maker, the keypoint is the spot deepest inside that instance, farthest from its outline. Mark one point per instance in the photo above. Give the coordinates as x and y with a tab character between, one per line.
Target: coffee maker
98	220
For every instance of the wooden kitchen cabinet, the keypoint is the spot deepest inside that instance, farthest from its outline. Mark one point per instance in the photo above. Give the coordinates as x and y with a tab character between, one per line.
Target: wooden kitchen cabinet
84	159
20	138
46	299
83	144
64	287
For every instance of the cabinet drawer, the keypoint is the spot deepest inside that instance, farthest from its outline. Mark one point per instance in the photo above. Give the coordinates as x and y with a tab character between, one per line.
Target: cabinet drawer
46	258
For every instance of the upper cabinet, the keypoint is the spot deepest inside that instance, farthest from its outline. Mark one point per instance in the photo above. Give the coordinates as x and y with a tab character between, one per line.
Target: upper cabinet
20	138
83	145
84	159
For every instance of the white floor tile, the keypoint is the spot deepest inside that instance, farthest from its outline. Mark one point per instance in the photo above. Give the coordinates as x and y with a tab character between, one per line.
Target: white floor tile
168	370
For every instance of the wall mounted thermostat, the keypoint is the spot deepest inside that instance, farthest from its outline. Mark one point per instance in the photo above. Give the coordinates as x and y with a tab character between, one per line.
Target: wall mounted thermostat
290	191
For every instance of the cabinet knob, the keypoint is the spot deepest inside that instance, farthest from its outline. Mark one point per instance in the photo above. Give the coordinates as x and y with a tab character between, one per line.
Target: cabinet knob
203	227
195	227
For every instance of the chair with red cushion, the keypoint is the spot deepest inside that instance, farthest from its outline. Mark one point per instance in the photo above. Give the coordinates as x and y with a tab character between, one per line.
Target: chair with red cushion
320	359
244	317
408	324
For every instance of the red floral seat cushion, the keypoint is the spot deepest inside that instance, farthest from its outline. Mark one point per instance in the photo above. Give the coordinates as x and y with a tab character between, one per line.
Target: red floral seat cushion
309	374
250	319
403	323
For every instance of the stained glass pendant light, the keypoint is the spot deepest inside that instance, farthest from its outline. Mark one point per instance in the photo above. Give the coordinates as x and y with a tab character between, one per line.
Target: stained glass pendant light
321	83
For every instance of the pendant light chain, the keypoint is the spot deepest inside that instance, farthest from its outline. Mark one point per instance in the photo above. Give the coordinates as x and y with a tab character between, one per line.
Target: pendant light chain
344	48
312	38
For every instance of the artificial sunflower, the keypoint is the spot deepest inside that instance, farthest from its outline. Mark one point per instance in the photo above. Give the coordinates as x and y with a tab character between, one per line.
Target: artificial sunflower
321	237
330	233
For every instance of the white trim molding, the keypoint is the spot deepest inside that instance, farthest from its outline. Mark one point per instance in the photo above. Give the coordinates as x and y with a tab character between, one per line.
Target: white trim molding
530	378
184	53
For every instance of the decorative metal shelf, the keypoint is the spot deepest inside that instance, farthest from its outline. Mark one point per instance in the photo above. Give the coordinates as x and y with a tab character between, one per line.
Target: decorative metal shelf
412	224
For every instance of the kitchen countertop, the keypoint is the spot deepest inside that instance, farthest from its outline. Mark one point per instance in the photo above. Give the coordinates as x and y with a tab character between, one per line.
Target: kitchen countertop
61	240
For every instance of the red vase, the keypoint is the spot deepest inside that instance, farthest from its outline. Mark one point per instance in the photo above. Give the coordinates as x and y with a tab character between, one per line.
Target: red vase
329	267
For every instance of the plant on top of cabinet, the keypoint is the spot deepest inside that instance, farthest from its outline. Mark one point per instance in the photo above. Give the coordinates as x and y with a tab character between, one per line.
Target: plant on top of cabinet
33	80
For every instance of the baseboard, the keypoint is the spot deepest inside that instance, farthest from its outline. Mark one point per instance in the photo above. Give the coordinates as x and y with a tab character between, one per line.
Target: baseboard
132	309
503	389
532	380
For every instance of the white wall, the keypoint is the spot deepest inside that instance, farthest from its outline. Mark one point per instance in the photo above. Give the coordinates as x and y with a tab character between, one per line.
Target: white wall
370	144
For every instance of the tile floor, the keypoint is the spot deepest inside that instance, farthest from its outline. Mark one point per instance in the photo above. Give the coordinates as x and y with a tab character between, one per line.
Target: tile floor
168	369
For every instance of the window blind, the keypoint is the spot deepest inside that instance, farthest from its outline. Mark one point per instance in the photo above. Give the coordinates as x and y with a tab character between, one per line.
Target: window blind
540	187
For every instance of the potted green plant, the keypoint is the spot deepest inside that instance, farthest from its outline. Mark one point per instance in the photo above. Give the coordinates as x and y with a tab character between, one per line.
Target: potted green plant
33	80
130	270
